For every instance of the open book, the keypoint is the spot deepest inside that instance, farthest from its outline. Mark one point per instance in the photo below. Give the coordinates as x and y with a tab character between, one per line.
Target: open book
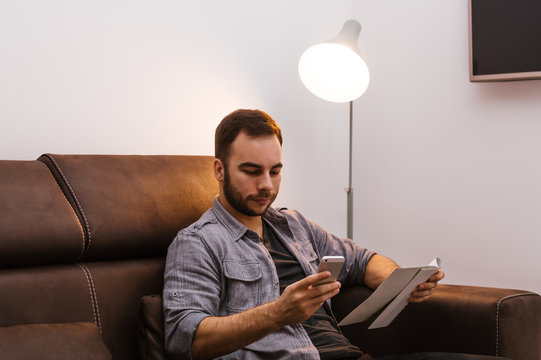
391	296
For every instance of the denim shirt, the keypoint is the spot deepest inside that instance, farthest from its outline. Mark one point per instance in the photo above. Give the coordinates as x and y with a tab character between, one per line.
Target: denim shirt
219	267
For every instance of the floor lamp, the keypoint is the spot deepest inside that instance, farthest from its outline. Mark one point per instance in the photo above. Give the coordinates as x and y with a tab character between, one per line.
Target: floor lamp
335	71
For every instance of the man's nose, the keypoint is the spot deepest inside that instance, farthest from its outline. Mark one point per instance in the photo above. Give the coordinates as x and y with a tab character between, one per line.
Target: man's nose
265	182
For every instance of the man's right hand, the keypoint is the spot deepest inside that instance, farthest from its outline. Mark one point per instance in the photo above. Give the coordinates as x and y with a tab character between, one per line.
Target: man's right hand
302	298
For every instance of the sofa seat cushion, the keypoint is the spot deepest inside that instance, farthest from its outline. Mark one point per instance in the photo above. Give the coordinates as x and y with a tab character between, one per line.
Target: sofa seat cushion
80	340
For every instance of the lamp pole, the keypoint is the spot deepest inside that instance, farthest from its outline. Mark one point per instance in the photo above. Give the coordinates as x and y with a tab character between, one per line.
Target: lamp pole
349	188
335	71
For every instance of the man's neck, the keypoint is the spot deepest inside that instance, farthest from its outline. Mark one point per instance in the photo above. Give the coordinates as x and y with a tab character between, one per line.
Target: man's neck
254	223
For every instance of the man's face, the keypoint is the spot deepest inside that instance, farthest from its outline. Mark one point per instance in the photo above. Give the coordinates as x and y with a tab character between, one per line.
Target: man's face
252	175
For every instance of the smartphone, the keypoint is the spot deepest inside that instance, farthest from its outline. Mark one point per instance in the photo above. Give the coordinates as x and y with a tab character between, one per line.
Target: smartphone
333	264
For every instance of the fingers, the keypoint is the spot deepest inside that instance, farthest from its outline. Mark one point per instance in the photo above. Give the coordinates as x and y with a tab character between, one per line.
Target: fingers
432	282
313	279
300	299
426	286
306	288
419	296
315	297
424	291
437	276
326	291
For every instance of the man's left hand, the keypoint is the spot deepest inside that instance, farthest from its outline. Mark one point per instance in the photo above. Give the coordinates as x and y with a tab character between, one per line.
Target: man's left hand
424	290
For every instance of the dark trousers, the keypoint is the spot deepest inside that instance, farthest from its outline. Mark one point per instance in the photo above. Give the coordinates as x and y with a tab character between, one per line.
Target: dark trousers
438	356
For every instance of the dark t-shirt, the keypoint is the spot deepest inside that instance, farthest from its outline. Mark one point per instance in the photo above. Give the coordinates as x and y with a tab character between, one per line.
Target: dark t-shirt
321	326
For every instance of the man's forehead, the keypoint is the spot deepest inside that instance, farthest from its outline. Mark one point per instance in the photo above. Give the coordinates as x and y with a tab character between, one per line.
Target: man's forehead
258	150
243	142
244	136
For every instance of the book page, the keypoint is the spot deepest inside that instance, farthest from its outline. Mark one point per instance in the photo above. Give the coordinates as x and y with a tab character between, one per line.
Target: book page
394	291
401	300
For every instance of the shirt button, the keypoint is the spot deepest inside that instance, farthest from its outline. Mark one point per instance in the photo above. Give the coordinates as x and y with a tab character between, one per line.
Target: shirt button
276	284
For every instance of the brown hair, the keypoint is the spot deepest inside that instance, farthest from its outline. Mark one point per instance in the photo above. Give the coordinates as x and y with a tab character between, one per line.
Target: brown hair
252	122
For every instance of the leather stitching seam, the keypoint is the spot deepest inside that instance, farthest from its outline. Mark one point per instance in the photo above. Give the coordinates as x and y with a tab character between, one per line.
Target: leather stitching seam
498	319
93	296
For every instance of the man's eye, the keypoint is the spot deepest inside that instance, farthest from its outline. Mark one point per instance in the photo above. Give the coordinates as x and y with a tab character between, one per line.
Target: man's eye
251	172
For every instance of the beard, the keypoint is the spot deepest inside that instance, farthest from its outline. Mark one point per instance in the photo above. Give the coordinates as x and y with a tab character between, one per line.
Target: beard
234	198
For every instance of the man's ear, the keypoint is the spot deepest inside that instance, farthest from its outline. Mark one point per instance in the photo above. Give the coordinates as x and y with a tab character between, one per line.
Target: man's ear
219	170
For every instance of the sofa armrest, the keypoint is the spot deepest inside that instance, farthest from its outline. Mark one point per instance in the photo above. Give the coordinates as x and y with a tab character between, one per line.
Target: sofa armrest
466	319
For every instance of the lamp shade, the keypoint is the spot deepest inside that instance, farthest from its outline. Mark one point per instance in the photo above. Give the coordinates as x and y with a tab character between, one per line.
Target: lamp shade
334	70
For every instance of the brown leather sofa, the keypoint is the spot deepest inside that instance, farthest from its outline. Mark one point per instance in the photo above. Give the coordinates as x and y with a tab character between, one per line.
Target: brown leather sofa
83	240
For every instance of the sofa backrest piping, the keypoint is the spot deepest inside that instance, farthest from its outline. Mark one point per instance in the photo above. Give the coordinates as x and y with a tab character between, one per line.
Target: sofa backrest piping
83	238
79	209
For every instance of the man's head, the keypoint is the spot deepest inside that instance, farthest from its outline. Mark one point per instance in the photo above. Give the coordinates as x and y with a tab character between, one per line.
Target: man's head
248	162
252	122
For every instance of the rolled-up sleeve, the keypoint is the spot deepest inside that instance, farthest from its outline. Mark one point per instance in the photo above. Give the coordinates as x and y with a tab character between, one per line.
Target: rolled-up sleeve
191	291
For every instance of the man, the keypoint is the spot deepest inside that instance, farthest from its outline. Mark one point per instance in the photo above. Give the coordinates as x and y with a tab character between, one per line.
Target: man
239	282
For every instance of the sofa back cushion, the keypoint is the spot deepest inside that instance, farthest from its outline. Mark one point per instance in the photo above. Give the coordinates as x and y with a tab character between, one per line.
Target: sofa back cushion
37	224
132	206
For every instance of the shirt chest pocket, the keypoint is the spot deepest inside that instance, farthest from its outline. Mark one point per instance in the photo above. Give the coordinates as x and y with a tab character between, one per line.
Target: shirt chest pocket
242	285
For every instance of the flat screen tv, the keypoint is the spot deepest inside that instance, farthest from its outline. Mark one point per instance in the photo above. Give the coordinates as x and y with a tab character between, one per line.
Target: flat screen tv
505	39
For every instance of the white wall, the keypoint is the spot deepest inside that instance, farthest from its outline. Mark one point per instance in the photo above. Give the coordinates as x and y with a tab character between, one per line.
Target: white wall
442	166
140	76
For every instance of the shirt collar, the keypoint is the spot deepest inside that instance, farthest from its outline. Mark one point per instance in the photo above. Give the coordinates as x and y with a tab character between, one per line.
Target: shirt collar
235	227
